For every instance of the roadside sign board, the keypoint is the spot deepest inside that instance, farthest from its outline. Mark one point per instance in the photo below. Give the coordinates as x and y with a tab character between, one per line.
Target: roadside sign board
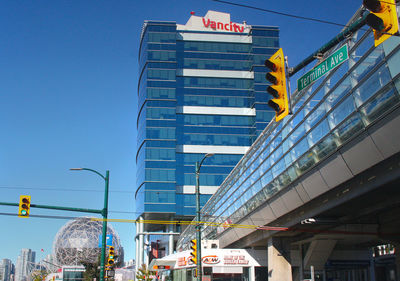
109	239
331	62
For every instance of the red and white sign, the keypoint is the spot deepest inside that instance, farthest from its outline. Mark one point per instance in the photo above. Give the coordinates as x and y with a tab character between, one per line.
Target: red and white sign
181	261
211	259
214	21
216	25
235	259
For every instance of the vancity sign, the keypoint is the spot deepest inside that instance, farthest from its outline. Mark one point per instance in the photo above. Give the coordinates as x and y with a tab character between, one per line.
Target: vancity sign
216	25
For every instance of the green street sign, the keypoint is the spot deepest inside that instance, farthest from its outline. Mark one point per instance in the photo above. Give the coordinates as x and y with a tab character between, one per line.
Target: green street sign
331	62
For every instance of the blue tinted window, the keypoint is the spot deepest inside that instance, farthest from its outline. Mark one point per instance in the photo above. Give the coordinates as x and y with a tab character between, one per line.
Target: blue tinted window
318	132
160	133
161	37
216	64
217	120
266	41
159	93
160	154
217	82
217	101
161	55
160	175
341	112
159	196
164	74
378	79
215	47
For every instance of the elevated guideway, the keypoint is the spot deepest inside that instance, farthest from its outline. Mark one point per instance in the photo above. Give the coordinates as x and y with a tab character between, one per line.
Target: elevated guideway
334	164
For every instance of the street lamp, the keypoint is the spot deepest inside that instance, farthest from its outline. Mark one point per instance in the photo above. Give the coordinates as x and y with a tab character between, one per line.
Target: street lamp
104	214
198	225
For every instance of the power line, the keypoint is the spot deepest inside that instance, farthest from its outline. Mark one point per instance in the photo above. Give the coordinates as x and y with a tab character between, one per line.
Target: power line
224	225
49	216
280	13
40	216
62	189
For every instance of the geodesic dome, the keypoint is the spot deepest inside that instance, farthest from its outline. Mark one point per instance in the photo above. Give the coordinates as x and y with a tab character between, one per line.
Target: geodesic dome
79	240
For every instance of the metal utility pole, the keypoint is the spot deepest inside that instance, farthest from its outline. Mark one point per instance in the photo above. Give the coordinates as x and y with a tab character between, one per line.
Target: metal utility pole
104	213
198	225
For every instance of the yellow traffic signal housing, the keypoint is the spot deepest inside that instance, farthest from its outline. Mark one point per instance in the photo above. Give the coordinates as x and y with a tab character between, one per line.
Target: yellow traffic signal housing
383	19
24	206
277	78
111	255
193	253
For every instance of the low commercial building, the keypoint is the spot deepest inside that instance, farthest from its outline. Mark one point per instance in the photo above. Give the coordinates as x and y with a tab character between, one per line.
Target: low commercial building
217	264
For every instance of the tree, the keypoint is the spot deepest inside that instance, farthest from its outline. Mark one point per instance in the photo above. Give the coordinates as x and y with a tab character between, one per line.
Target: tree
144	273
91	270
39	275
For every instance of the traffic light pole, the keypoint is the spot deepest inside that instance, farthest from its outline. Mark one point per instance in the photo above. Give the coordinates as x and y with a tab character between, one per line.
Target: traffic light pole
103	212
104	233
198	225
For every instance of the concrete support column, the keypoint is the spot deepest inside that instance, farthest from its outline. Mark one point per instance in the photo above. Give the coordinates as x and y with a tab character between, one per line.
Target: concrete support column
279	267
171	240
146	249
372	266
136	251
397	247
252	273
141	243
301	267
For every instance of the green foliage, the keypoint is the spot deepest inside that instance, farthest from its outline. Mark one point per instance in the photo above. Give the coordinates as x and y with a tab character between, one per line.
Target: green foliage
91	270
144	273
39	275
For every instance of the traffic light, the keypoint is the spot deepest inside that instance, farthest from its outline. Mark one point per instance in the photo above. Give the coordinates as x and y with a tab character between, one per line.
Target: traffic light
277	78
193	253
111	255
24	206
383	19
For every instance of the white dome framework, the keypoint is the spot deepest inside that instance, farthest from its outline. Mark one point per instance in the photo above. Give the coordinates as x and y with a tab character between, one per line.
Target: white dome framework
78	240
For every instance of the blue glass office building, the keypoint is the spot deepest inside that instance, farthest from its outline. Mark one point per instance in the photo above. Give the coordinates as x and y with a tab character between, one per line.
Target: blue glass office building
201	90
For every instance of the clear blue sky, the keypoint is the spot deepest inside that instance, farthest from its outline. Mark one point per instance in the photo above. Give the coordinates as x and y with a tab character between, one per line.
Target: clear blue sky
68	98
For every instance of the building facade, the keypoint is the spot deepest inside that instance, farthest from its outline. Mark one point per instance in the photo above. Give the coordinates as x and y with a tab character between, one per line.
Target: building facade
6	270
24	263
201	90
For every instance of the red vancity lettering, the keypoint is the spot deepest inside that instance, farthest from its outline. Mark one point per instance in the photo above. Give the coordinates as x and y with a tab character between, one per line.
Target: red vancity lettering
220	25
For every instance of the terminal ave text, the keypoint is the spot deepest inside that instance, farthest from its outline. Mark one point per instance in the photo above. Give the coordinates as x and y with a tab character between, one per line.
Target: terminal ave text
331	62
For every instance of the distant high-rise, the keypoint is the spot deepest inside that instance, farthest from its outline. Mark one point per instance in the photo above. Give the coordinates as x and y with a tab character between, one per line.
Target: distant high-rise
5	269
24	263
201	89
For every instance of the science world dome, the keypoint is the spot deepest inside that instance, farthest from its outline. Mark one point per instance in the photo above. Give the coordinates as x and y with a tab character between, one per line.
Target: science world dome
79	240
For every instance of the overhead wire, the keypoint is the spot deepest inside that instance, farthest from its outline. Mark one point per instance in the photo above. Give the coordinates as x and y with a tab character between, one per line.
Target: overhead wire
223	225
62	189
280	13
